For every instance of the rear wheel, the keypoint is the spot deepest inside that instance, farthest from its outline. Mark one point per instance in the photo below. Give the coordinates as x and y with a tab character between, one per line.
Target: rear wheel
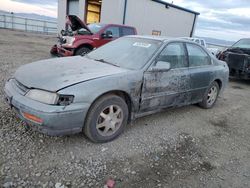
106	119
210	96
82	51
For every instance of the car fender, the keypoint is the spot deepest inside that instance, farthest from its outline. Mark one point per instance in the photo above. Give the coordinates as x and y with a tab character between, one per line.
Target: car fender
87	92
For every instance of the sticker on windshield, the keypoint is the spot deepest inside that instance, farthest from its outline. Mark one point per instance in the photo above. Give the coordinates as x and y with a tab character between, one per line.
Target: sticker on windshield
142	45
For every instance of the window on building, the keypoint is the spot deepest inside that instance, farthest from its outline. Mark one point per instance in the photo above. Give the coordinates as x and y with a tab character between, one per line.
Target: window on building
93	12
197	56
174	53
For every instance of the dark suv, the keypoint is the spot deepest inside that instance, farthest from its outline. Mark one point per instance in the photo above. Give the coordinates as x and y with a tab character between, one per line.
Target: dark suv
80	39
238	59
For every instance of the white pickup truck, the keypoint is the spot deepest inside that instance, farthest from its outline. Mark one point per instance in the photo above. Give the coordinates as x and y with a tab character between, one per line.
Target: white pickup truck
203	43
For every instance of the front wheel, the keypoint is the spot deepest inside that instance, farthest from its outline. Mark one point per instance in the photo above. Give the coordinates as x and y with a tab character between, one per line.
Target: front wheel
106	119
210	96
82	51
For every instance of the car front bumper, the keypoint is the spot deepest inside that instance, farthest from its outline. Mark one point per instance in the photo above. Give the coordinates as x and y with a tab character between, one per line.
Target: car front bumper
63	52
56	120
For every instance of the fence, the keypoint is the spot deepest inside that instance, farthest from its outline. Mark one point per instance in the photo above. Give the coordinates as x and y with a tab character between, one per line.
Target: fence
10	21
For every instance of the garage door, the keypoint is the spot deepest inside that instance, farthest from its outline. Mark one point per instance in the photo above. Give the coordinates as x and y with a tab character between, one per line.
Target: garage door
73	7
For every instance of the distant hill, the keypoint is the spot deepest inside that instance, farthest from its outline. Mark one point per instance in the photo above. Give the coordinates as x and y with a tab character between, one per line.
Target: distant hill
31	15
217	41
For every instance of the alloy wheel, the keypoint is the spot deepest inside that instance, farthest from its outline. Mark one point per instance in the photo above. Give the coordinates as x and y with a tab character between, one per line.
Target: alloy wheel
212	95
109	120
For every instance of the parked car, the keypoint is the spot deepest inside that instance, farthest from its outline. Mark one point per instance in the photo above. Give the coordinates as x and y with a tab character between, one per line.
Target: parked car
101	92
203	43
238	58
80	39
199	41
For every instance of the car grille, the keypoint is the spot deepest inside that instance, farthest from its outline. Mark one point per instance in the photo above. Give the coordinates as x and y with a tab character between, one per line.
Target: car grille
236	61
20	88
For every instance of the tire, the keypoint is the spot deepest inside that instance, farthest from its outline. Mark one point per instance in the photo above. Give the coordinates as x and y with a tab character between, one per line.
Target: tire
211	96
82	51
106	119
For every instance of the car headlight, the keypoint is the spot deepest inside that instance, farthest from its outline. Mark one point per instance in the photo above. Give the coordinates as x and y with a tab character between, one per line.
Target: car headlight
43	96
70	41
50	97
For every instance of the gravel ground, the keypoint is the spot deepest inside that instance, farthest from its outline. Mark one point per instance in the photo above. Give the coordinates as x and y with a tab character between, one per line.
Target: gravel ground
184	147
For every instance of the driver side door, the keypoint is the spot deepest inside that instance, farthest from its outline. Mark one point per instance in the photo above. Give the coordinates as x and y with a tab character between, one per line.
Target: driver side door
115	34
167	88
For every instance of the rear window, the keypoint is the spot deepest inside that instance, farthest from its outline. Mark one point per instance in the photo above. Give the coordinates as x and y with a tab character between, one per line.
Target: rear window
127	31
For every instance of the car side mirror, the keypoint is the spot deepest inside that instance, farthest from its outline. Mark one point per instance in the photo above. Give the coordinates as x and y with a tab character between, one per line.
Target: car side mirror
107	34
161	66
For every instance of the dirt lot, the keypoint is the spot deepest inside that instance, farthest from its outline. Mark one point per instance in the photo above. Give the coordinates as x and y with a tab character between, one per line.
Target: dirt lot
185	147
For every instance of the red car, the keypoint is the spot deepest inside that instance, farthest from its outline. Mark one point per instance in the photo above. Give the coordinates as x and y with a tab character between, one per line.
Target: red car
80	39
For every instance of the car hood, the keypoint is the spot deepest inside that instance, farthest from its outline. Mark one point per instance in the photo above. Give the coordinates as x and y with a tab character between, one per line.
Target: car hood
76	23
59	73
245	51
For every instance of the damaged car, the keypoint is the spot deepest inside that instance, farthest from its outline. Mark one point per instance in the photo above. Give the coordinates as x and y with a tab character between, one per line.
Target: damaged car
238	59
126	79
80	39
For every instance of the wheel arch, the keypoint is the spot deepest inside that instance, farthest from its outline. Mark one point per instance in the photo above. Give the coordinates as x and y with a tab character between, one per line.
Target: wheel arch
87	45
219	82
122	94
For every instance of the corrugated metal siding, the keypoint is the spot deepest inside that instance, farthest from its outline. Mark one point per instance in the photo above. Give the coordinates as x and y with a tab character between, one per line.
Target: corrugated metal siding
61	15
147	16
112	11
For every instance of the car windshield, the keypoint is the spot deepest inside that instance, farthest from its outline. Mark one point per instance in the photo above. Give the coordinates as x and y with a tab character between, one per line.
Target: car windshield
95	28
243	43
130	53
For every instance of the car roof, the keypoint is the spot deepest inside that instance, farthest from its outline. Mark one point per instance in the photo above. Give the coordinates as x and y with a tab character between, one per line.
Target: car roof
159	38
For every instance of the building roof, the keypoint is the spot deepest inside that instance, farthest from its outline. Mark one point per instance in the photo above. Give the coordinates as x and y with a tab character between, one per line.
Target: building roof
175	6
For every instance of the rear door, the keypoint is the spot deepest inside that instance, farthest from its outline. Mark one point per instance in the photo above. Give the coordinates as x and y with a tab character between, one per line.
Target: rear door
167	88
200	69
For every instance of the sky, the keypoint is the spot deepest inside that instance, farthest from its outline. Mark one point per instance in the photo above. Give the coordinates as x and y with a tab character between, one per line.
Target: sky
221	19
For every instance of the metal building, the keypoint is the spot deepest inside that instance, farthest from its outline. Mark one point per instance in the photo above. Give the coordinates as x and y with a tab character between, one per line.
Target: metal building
155	17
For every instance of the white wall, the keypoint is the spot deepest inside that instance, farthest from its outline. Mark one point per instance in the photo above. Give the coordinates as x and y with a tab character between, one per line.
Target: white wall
81	12
61	14
73	7
112	11
147	15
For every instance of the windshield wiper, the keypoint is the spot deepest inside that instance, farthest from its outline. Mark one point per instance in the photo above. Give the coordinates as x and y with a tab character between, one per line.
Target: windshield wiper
103	61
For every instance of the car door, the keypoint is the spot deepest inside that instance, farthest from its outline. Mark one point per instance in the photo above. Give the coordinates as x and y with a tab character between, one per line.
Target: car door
165	88
200	69
115	30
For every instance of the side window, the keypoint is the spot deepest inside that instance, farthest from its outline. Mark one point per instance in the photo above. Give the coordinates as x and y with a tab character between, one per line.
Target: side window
127	31
202	43
197	41
115	31
174	53
197	56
